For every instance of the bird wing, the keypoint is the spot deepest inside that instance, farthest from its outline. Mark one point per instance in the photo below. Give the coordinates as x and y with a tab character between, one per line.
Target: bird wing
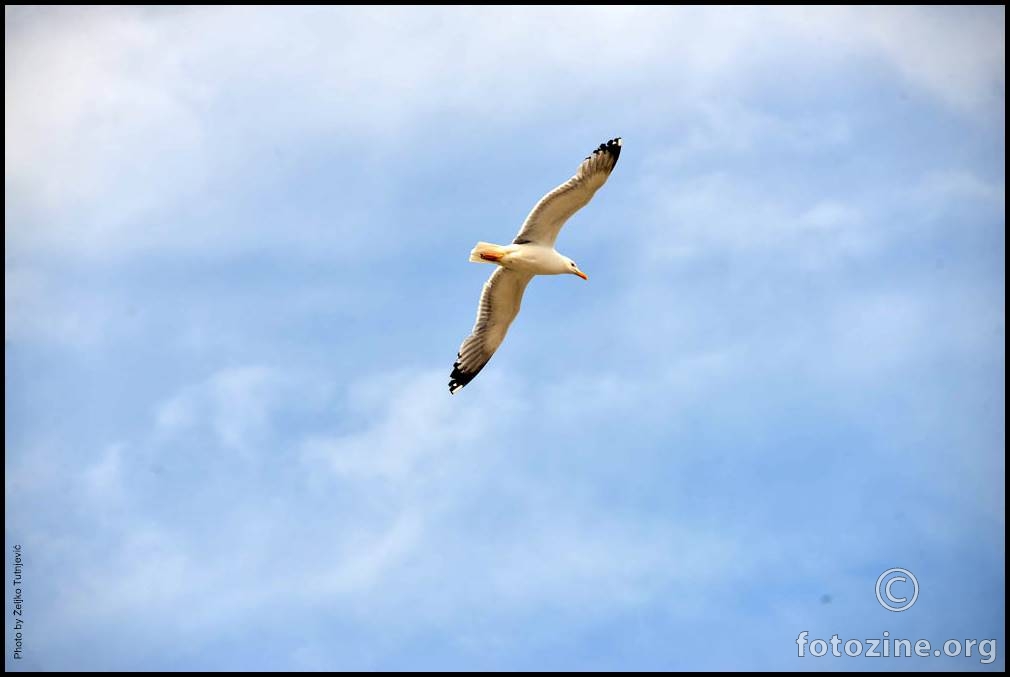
544	223
499	305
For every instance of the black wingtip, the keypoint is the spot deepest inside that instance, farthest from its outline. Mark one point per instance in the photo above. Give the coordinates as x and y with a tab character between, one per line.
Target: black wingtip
459	378
611	148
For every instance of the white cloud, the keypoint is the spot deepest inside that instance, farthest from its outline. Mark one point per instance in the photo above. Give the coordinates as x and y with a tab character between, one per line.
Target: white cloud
430	459
718	214
39	307
831	214
419	428
115	115
236	404
724	129
957	54
103	480
942	188
389	526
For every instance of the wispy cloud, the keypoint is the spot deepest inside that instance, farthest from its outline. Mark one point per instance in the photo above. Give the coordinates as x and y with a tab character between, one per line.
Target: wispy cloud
119	115
236	404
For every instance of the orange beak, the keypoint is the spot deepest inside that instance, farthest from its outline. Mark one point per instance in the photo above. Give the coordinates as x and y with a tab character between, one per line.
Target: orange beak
581	274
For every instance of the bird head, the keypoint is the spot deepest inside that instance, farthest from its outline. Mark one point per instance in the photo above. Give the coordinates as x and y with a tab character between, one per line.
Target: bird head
574	270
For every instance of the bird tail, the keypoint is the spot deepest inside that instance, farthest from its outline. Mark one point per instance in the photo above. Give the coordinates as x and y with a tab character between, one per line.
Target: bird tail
485	252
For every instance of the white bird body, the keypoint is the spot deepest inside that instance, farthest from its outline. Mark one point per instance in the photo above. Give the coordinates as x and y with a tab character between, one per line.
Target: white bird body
536	259
531	253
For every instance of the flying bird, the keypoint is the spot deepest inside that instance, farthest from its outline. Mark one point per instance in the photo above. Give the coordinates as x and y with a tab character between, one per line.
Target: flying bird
531	253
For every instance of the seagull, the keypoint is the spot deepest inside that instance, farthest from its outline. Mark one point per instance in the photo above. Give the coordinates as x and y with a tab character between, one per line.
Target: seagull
531	253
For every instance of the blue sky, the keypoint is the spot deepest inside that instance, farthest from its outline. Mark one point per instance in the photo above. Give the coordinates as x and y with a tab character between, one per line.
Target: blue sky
236	278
